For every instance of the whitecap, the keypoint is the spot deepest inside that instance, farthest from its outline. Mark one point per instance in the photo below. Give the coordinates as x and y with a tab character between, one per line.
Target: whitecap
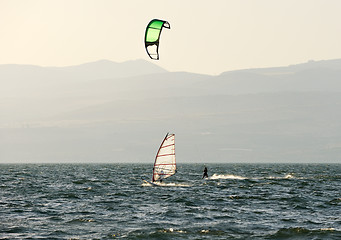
327	229
226	176
289	176
173	230
163	184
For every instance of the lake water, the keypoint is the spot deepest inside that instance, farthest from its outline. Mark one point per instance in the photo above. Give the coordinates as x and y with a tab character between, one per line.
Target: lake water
110	201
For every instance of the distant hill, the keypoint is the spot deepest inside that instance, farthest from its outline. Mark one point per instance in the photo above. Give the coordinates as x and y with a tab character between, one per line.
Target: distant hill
30	80
118	112
310	76
87	71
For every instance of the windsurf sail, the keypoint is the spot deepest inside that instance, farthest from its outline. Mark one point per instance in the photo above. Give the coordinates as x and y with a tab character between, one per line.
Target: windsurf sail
165	164
152	37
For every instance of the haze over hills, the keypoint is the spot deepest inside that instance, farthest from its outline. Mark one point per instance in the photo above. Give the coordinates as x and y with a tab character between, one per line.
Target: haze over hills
119	112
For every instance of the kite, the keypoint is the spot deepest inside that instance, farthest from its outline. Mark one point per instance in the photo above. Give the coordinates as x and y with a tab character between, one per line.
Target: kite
152	37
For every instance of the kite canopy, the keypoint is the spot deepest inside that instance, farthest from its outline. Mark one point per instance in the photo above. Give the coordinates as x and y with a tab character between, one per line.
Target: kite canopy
152	37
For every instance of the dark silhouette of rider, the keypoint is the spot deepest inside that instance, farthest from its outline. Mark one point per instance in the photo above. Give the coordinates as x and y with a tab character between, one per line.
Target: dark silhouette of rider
205	175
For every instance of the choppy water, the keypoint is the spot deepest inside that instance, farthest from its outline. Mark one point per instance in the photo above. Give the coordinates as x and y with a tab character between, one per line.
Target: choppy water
239	201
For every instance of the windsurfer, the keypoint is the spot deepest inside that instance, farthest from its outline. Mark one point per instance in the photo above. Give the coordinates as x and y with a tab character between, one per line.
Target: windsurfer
205	175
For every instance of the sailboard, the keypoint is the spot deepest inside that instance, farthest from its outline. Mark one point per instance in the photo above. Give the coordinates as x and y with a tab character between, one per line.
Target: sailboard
151	183
165	163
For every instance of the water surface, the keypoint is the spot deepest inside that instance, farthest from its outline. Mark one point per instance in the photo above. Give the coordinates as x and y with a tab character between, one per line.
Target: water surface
238	201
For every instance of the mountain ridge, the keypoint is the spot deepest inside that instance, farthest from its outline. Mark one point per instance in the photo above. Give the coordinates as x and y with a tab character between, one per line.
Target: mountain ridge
285	114
329	64
81	72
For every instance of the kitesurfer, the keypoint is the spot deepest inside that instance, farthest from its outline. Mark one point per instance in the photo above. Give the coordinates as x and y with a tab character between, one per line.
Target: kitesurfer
205	175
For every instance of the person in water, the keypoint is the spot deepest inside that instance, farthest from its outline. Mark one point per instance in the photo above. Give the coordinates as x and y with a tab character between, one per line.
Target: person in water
205	175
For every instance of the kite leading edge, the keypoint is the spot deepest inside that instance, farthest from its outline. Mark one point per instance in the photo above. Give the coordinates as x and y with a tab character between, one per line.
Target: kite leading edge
152	37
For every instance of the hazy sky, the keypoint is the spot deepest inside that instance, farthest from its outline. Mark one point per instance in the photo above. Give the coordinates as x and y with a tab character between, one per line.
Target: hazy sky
209	36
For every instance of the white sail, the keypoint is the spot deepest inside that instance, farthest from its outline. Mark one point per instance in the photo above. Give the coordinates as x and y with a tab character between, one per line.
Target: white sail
165	165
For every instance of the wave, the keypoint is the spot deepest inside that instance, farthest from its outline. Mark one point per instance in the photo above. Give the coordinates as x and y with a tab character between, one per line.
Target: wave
335	201
77	220
287	176
163	184
232	176
305	232
226	176
171	230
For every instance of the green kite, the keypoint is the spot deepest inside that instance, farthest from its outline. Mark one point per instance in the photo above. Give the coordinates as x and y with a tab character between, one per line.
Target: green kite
152	37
